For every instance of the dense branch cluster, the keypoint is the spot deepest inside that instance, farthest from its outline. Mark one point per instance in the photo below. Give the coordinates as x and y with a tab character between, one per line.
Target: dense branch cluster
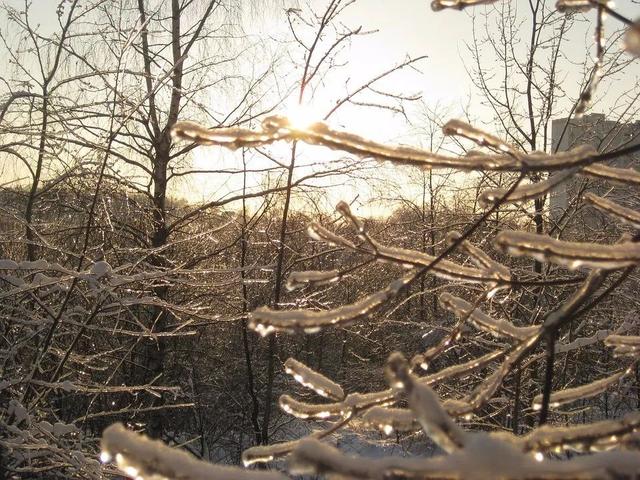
470	455
477	288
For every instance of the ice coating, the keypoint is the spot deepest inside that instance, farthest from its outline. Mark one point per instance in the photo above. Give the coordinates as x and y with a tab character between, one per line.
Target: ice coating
390	420
499	328
526	192
425	405
437	5
485	456
279	128
584	391
139	457
627	215
480	258
632	40
266	320
309	378
569	254
311	277
625	176
482	138
575	5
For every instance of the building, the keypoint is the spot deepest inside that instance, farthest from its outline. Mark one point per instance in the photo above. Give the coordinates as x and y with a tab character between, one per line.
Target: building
605	135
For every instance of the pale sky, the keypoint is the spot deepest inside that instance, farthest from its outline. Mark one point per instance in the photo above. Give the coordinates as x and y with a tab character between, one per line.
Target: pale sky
405	27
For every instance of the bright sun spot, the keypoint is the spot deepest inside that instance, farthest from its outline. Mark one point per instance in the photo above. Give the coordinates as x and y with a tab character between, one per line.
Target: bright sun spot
302	116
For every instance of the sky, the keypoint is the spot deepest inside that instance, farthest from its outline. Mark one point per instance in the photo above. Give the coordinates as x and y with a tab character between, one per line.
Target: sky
403	28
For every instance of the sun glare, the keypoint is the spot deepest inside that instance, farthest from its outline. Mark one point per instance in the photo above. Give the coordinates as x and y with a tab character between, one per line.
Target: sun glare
302	116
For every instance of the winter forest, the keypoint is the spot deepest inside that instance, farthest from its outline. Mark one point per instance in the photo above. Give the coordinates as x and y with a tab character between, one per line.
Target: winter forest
276	239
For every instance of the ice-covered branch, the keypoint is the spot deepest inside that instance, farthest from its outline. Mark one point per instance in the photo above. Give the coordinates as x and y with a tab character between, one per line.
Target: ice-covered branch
277	127
437	5
266	320
309	378
584	391
141	458
627	215
485	456
569	254
623	344
500	328
527	192
425	405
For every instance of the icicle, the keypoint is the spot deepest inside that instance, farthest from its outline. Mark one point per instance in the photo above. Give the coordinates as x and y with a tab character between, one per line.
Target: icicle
311	278
584	391
627	215
569	254
265	320
425	405
437	5
139	457
309	378
498	328
483	139
526	192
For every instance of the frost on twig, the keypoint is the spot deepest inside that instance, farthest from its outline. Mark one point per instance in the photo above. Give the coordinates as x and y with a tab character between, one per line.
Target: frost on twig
139	457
